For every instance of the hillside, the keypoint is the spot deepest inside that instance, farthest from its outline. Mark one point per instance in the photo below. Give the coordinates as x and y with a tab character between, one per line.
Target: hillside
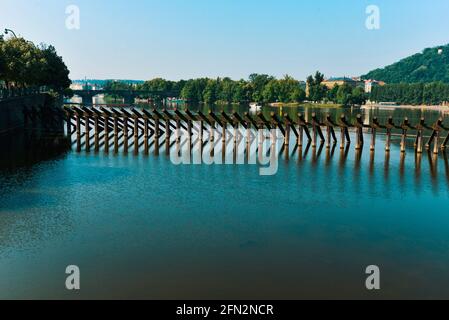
430	65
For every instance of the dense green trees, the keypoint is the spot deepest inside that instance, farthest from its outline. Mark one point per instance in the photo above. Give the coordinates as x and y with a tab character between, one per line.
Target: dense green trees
24	64
344	94
118	85
416	93
259	88
347	95
431	65
317	92
283	90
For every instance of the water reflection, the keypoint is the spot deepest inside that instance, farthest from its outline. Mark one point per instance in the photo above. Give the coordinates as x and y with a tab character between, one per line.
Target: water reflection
138	217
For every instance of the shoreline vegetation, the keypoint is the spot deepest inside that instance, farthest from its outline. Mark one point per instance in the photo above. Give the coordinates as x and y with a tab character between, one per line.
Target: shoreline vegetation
24	64
258	88
306	104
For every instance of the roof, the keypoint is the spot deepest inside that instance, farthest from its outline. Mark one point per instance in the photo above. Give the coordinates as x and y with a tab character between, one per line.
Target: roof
340	79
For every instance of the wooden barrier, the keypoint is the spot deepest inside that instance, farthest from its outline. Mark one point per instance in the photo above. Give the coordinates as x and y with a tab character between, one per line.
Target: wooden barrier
146	125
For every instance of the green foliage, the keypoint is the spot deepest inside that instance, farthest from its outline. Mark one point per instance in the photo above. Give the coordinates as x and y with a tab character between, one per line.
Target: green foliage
118	85
429	66
317	92
24	64
284	90
415	94
259	88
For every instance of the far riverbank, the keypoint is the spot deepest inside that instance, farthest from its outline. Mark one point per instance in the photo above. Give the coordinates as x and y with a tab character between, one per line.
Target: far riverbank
307	105
438	108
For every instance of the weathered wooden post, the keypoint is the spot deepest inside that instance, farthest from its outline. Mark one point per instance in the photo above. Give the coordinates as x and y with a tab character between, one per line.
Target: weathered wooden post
438	128
239	121
344	132
277	124
359	132
435	144
116	133
106	132
167	135
78	131
156	126
224	127
405	127
419	136
146	137
264	123
288	126
374	127
389	127
96	133
330	131
302	128
178	129
201	133
136	134
228	119
314	130
87	127
189	121
125	133
250	123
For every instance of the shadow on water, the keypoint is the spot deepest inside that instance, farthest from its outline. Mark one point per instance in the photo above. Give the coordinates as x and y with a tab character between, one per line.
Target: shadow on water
26	148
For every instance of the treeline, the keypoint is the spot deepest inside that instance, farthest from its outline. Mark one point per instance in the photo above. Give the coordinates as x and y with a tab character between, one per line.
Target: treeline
23	64
434	93
429	66
259	88
344	94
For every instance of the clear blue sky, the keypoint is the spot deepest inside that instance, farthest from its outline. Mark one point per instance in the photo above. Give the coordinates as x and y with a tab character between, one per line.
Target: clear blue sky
174	39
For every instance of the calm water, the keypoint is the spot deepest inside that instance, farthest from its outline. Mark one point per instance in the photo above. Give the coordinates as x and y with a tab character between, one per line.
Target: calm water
142	227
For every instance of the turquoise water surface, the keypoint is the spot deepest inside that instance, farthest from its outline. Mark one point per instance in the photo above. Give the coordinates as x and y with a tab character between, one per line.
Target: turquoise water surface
143	227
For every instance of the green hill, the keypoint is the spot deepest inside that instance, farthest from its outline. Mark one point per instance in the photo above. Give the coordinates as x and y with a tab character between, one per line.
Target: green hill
429	66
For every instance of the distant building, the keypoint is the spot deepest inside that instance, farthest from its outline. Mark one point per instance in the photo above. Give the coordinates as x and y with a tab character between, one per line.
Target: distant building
370	84
83	86
353	82
440	51
76	86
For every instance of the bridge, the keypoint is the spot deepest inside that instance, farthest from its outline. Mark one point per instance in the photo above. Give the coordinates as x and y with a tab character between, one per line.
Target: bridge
106	128
129	96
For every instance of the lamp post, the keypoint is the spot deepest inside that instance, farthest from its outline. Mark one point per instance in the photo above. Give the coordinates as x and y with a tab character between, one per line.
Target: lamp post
10	31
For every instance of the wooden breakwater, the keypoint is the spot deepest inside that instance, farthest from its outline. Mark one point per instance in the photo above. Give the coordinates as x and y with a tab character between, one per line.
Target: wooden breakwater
110	129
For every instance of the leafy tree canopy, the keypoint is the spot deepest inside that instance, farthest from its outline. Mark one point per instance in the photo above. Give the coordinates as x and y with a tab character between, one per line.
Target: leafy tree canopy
23	64
432	65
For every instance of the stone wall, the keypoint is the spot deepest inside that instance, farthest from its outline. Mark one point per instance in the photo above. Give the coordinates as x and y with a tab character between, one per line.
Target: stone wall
11	110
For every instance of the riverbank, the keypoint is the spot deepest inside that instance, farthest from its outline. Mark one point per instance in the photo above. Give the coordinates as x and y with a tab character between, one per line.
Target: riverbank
438	108
306	105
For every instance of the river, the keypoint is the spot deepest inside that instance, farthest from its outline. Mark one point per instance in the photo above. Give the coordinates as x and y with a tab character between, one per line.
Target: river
142	227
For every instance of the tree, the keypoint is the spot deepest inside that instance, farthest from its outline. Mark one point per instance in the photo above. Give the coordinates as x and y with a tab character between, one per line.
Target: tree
332	93
317	92
210	92
344	94
258	83
54	72
23	64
